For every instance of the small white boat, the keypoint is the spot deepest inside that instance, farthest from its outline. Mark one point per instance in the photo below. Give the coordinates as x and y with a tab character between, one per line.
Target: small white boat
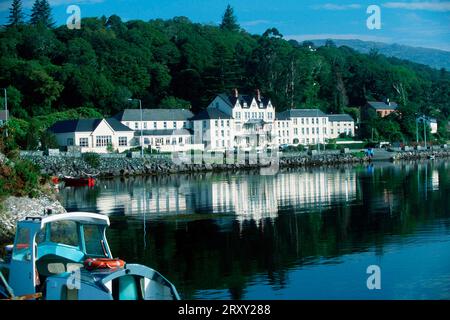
67	257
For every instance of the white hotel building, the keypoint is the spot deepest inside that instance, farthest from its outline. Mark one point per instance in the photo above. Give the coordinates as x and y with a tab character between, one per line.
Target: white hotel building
230	122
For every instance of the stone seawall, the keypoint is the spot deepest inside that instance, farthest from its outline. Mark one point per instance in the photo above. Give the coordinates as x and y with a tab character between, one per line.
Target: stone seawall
116	167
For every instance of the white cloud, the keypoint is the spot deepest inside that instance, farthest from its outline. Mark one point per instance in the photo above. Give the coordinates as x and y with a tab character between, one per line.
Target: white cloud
428	6
303	37
254	23
336	7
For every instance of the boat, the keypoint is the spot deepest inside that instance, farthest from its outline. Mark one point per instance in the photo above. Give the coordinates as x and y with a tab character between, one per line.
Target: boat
67	257
79	182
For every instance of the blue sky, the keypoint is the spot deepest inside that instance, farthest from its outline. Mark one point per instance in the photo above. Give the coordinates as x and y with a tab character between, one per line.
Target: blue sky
416	23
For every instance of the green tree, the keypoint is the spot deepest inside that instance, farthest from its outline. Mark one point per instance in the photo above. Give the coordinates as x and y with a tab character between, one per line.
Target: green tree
229	21
15	14
41	14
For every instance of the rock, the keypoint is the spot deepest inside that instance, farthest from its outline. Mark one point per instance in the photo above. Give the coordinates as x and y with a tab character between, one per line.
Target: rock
14	209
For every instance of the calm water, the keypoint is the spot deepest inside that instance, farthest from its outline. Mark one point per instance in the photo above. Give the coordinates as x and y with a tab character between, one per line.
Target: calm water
302	234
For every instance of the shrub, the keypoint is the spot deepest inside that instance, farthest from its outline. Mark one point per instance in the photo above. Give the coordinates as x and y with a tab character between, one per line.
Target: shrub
92	159
21	179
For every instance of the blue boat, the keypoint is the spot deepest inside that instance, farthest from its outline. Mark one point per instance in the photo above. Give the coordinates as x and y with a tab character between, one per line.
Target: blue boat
67	257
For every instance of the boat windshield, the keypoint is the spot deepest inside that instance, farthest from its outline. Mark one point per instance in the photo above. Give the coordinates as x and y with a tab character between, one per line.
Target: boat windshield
94	242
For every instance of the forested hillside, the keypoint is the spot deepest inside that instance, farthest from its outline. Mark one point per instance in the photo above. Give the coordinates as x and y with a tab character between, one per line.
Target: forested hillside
180	64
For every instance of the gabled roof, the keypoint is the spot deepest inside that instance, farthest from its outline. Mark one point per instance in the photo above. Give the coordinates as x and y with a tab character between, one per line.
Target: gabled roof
154	115
300	113
381	105
211	113
85	125
340	117
243	98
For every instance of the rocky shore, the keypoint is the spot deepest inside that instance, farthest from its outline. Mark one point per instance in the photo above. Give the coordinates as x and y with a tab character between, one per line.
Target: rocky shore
418	155
14	209
117	167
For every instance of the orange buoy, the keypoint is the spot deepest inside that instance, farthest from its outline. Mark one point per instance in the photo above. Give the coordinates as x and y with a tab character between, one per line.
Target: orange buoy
103	263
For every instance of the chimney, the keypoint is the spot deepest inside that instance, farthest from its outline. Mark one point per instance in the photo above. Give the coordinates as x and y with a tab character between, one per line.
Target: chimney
258	95
235	93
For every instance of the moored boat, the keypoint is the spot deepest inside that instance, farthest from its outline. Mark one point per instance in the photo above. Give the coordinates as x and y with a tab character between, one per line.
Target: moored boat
67	257
79	182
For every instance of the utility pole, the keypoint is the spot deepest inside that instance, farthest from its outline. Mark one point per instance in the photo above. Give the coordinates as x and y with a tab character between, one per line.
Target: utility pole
141	142
6	112
425	132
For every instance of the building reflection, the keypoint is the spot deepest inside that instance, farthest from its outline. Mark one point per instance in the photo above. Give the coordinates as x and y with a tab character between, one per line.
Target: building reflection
246	196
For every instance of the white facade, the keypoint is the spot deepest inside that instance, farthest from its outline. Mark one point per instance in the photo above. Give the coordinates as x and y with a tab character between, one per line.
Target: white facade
340	124
164	130
302	126
101	135
237	122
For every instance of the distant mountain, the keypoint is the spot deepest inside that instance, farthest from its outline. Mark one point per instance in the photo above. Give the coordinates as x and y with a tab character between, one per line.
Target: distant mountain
432	57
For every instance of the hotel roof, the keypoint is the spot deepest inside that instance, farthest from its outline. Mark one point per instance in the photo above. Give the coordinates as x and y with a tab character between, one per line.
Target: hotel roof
340	118
154	115
85	125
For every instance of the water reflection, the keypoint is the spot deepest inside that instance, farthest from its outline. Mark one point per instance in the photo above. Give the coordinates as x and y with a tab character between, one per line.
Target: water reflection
246	196
301	234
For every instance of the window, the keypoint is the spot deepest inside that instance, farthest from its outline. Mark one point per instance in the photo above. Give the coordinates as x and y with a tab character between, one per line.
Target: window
303	130
155	125
174	124
70	141
64	232
223	133
174	141
136	125
168	141
307	130
123	141
22	250
185	124
145	125
165	125
228	123
84	142
238	115
307	121
205	125
303	121
295	131
295	121
103	141
180	140
93	238
222	123
146	141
